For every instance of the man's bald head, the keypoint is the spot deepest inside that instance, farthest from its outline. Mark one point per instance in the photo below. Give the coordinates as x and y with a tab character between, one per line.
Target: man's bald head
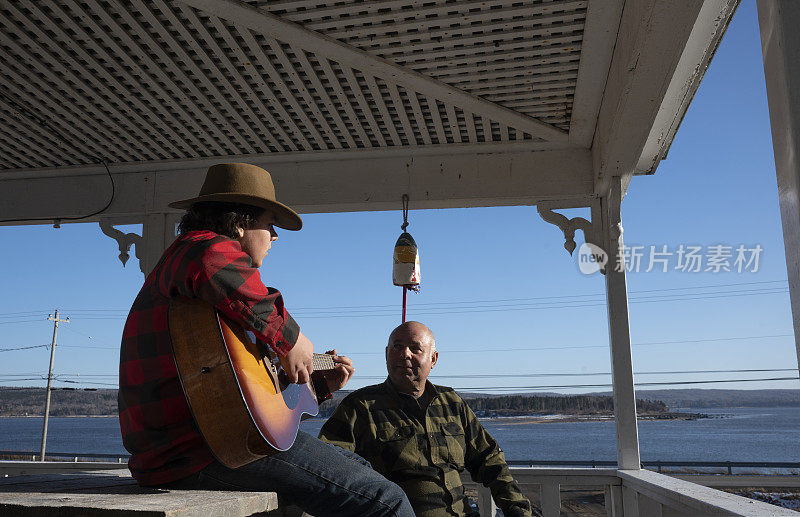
410	355
415	328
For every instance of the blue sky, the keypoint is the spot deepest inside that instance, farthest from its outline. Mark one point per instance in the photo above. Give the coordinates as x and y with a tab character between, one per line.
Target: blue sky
501	294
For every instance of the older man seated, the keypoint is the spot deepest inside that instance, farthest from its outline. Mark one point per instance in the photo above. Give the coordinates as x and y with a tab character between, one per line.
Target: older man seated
422	436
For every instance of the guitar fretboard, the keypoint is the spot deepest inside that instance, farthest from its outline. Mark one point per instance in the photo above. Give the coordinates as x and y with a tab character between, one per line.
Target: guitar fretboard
323	362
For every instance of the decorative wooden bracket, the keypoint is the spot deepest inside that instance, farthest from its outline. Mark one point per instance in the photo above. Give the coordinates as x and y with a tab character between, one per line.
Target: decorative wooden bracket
592	231
124	240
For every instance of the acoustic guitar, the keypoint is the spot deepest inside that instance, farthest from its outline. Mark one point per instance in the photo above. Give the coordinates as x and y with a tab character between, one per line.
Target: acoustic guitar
239	397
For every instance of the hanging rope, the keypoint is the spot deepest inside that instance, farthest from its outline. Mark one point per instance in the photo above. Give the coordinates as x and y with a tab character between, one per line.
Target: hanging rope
405	271
405	213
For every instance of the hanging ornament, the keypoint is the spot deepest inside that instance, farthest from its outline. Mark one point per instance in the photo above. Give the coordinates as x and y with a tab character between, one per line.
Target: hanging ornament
405	270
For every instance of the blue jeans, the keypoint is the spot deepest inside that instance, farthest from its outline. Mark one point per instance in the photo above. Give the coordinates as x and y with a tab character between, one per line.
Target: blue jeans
320	478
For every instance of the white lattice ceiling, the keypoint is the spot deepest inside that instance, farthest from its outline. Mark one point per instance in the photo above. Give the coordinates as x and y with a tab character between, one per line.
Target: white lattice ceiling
155	79
349	104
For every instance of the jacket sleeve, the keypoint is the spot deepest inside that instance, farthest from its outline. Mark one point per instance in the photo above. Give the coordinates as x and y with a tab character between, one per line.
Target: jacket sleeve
340	427
223	275
487	465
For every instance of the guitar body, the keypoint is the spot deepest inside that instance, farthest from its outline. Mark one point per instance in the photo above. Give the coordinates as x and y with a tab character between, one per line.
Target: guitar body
242	408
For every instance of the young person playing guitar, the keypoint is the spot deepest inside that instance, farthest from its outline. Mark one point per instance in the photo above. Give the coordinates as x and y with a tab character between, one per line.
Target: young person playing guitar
224	237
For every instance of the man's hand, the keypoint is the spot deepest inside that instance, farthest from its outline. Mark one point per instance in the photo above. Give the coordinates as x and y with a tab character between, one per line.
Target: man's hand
298	363
341	374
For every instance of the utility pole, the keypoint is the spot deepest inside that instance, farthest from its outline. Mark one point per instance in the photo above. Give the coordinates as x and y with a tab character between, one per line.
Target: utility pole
55	321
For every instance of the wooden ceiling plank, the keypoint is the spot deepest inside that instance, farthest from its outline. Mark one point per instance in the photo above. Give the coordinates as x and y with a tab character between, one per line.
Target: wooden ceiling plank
284	118
436	116
88	80
486	124
400	108
377	97
211	115
25	145
344	101
486	87
157	118
357	93
156	79
13	156
287	32
324	95
419	117
69	122
32	142
433	50
54	69
515	69
541	110
238	85
503	133
379	10
457	57
564	89
452	121
456	15
529	77
229	110
310	102
599	36
469	122
502	98
495	30
485	49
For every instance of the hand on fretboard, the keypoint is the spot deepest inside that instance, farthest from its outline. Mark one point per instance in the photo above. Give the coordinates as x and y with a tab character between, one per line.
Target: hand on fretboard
323	362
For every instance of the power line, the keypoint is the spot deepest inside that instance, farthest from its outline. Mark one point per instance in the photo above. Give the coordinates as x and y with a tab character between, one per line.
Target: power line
23	348
587	374
638	384
573	347
484	302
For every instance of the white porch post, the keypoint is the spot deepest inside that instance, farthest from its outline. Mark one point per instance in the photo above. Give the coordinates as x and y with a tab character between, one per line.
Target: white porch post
158	232
619	330
780	45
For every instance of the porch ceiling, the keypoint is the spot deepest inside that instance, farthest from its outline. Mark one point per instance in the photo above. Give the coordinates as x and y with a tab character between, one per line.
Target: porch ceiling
458	103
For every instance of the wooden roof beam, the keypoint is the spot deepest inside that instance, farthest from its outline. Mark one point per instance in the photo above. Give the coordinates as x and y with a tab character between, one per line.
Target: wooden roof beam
661	54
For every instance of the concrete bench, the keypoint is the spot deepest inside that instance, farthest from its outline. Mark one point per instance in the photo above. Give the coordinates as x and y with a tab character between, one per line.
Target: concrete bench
114	492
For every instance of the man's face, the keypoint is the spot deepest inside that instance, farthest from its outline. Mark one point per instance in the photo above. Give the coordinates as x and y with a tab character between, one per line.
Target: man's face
410	357
257	241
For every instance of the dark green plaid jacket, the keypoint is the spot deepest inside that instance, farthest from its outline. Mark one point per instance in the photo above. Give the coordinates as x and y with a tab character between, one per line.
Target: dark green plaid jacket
422	445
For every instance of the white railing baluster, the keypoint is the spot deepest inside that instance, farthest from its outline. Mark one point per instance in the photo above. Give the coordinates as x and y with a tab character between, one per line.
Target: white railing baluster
551	499
486	504
613	501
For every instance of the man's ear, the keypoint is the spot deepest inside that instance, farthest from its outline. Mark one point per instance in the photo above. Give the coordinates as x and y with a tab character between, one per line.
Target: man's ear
239	232
434	358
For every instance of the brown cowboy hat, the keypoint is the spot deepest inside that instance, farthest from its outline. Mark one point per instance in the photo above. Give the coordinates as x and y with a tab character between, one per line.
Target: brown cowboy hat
244	184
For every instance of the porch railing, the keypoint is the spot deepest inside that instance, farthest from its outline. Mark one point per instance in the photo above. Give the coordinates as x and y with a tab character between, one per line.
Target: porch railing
635	493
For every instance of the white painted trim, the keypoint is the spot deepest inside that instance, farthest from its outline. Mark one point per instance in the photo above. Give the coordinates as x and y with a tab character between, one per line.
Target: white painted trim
265	159
712	21
781	50
647	60
619	332
597	47
354	182
691	499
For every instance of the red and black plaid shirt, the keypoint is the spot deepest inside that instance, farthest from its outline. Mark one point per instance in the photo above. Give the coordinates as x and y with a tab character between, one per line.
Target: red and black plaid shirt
157	425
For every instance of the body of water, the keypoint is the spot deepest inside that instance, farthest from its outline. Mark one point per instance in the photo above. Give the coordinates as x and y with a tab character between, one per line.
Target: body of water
734	434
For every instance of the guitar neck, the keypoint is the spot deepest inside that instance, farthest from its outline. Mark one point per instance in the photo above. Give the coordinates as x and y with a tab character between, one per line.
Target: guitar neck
323	362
